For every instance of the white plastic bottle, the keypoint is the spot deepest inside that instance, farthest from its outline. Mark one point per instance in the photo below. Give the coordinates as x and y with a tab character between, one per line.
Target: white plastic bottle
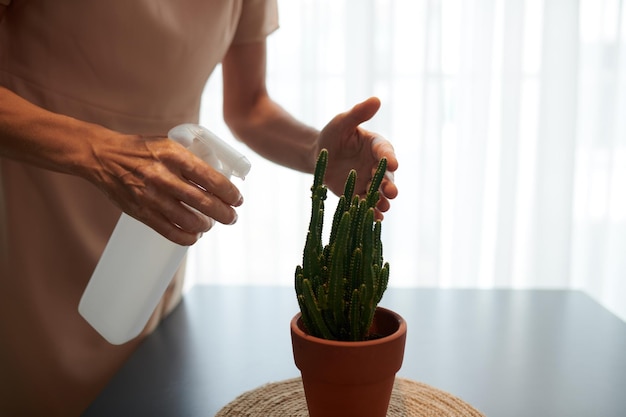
138	263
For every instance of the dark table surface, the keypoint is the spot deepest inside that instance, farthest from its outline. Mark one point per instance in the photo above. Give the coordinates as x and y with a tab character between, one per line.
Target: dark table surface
524	353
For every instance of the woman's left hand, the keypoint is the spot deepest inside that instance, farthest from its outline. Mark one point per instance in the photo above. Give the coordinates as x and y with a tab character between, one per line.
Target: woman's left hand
352	147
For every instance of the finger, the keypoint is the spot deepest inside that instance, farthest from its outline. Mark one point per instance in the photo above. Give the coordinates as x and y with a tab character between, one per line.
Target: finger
174	211
188	219
388	187
203	175
383	205
362	112
382	148
206	203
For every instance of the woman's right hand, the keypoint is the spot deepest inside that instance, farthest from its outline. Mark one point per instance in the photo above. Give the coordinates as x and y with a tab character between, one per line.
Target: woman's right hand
156	180
153	179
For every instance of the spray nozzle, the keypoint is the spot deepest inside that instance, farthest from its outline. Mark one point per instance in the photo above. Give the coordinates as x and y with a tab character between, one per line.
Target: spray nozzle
213	150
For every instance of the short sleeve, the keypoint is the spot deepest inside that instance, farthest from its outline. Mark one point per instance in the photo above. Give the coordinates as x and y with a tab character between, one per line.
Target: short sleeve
258	19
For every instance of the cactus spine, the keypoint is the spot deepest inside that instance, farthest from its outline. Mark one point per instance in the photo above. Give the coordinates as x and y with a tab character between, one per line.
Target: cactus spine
339	285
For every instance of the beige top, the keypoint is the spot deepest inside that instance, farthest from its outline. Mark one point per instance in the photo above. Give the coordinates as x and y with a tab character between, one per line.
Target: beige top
135	66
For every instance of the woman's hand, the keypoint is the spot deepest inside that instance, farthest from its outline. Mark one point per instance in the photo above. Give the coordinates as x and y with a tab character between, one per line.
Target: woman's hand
350	146
156	180
153	179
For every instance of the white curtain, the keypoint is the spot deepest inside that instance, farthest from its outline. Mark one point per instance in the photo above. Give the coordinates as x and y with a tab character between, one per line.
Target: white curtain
509	121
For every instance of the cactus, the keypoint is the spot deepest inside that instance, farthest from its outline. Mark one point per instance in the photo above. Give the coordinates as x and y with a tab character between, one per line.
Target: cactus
339	285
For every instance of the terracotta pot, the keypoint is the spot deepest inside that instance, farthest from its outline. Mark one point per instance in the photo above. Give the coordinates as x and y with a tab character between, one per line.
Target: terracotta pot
350	378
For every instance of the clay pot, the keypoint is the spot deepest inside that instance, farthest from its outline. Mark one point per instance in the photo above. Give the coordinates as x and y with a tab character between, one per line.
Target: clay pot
350	378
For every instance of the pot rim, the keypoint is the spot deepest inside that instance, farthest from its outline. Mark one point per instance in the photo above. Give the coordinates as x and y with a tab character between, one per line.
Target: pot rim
400	331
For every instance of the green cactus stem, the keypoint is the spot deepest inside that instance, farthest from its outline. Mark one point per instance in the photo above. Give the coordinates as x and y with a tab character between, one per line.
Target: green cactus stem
340	284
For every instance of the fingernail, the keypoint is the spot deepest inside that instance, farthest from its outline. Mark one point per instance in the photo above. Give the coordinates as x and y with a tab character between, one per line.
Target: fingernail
235	219
239	201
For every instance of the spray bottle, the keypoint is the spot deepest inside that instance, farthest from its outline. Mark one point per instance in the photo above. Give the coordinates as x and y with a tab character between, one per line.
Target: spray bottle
138	263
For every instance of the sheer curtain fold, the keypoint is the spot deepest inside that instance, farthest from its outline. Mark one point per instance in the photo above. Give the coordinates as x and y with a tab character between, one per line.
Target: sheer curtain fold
507	118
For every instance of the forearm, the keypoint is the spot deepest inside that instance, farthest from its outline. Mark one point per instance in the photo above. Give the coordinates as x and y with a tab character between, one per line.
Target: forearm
256	119
275	134
31	134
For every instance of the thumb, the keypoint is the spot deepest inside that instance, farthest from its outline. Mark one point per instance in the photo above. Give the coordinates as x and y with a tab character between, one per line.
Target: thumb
362	112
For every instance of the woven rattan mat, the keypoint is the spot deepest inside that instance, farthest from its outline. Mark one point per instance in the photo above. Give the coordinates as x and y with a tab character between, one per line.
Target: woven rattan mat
408	399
